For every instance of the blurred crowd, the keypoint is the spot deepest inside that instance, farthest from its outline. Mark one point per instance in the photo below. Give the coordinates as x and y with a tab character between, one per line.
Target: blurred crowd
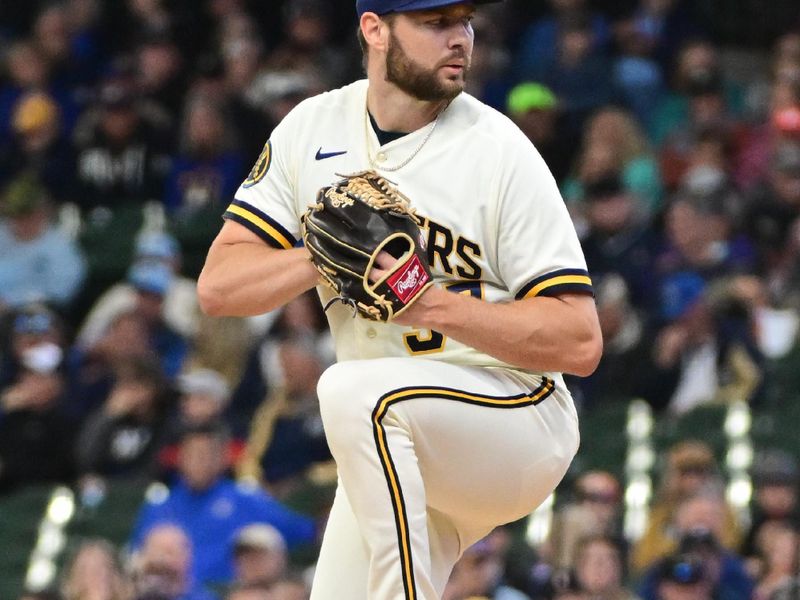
125	130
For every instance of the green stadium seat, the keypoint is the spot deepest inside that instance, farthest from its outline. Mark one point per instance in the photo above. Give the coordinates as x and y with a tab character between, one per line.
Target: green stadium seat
604	442
20	514
705	423
776	426
108	241
112	518
195	232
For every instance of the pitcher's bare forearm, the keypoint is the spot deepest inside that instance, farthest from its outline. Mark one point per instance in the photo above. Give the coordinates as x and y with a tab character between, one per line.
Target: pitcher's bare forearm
541	334
243	276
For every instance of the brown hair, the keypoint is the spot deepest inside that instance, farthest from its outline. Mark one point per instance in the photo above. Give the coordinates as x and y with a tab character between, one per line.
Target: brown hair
362	41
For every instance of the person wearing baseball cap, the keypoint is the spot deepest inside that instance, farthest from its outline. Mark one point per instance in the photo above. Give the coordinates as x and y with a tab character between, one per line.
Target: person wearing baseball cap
259	554
413	488
384	7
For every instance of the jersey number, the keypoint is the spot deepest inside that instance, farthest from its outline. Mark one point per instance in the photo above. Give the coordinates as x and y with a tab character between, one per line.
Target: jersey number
418	342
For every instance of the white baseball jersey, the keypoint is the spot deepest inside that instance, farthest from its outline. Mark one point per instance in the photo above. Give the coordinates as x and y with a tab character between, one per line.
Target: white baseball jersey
433	449
496	227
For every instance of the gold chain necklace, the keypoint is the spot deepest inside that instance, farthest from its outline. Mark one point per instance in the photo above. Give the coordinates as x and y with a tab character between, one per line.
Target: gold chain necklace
372	161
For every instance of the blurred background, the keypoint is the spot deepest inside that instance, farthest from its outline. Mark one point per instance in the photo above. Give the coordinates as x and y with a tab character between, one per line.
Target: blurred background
147	451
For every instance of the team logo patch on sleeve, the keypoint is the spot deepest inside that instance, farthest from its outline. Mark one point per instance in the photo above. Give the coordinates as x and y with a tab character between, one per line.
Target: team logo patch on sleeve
261	167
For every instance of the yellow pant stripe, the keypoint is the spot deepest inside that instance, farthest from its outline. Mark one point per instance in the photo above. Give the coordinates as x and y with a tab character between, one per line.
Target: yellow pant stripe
392	479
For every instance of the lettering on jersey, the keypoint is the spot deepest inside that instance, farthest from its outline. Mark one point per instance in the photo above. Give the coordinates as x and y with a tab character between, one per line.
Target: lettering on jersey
429	342
440	246
261	167
468	251
452	254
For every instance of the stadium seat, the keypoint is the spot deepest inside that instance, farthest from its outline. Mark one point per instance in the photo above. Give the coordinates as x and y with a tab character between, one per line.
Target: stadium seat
704	423
112	518
603	439
20	514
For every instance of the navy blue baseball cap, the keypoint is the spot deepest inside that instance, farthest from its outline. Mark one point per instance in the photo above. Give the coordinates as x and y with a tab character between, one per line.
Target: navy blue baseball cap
382	7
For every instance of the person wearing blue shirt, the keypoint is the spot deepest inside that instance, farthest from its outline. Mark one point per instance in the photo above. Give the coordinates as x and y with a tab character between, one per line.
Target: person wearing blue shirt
38	263
211	508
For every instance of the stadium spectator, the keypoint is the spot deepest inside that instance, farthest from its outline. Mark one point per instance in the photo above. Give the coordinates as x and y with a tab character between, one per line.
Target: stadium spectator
689	469
705	353
580	74
204	177
159	73
613	133
123	148
664	26
600	569
162	566
204	396
36	438
88	55
775	478
180	311
208	169
625	341
539	44
308	47
286	438
38	263
535	109
720	570
301	319
242	55
93	572
36	342
703	227
93	368
594	511
260	555
223	344
710	137
773	223
38	145
638	77
697	86
682	577
478	574
490	77
52	34
151	283
780	121
618	237
123	437
28	71
778	544
211	508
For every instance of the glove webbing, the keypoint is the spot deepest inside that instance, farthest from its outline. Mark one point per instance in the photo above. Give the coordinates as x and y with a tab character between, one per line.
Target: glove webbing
386	197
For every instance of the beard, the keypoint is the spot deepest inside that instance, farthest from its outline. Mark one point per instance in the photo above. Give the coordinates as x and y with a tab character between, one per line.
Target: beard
417	81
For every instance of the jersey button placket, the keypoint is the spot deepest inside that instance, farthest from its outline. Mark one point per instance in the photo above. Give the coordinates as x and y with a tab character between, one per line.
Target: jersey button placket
381	158
371	333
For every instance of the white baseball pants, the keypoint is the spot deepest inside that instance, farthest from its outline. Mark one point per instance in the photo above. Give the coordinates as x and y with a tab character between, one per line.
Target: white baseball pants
431	457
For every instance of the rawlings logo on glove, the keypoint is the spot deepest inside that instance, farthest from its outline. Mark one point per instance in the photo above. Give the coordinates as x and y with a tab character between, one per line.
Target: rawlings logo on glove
352	222
406	283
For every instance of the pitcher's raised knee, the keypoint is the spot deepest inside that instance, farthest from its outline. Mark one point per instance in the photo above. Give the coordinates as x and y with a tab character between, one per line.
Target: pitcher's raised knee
345	398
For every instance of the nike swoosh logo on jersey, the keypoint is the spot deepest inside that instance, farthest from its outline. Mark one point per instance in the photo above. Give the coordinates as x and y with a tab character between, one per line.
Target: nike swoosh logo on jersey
323	155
